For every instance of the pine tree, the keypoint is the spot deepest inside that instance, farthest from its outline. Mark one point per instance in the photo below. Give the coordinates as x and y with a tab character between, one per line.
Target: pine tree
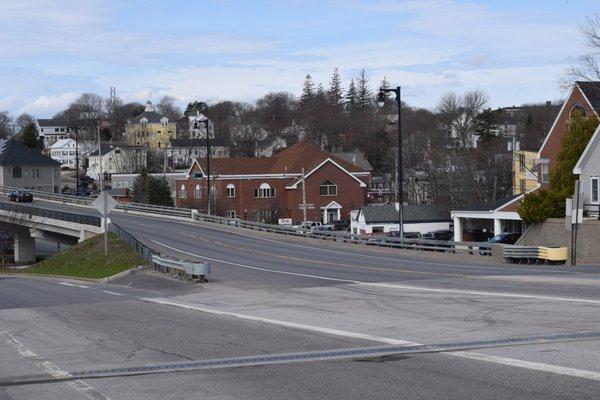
335	89
140	187
320	90
30	137
308	91
386	85
351	97
364	95
160	192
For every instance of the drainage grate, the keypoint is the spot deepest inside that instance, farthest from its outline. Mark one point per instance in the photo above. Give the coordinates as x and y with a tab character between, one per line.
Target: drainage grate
306	356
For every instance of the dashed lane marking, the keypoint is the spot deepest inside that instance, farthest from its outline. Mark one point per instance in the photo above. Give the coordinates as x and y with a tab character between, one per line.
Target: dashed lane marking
73	284
113	293
54	370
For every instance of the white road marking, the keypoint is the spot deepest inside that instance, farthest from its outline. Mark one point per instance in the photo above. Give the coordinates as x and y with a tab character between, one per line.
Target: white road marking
392	285
54	370
73	284
554	369
113	293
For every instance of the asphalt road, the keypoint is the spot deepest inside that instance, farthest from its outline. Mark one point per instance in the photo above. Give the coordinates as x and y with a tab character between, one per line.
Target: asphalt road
270	295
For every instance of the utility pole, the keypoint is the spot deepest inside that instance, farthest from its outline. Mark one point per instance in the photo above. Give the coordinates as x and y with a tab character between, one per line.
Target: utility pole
76	159
303	199
113	99
100	156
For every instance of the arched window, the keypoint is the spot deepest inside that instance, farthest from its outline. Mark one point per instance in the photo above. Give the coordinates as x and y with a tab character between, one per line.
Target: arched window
264	191
577	108
328	188
197	192
231	190
17	172
182	193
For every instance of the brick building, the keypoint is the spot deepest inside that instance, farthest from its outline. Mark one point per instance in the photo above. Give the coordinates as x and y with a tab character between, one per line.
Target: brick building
266	189
584	97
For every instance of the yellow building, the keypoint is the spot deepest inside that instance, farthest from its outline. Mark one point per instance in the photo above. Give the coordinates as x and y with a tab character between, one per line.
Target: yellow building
524	171
150	129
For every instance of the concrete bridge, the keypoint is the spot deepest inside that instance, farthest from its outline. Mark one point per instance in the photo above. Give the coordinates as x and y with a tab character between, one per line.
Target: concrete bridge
27	223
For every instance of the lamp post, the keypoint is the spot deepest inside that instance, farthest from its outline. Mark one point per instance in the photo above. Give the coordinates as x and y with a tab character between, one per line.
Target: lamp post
76	159
381	98
206	124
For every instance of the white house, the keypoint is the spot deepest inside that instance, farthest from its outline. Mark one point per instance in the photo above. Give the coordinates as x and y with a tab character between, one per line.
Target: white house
55	129
192	126
64	151
269	146
183	152
116	159
588	169
383	218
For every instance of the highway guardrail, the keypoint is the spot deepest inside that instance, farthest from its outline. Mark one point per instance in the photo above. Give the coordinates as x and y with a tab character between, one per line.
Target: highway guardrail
535	254
194	270
52	214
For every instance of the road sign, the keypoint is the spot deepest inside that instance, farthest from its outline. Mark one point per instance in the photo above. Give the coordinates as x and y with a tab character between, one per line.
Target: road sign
309	206
104	203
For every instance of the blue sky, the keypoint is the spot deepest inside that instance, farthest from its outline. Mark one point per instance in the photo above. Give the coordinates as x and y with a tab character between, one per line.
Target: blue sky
51	51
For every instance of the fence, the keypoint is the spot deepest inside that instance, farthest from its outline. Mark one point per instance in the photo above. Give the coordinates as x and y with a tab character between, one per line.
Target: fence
189	269
52	214
382	241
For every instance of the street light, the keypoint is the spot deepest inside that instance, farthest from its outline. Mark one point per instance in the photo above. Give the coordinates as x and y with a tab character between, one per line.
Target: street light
381	98
205	122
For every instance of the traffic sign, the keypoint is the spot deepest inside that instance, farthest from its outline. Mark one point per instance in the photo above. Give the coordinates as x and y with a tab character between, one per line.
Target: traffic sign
104	203
309	206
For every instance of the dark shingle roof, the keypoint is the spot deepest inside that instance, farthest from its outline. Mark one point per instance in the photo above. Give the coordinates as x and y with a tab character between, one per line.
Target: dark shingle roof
104	148
591	90
67	122
197	142
152	116
355	158
411	213
13	152
490	205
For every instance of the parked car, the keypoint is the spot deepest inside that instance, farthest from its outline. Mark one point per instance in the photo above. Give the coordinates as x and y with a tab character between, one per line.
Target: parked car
20	195
310	225
504	238
341	225
442	234
324	229
407	235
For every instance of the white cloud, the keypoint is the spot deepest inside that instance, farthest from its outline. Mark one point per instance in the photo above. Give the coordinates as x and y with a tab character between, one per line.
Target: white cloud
47	105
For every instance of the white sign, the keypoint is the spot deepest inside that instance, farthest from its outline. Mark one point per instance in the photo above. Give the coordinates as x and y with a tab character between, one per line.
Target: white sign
285	221
576	215
104	203
309	206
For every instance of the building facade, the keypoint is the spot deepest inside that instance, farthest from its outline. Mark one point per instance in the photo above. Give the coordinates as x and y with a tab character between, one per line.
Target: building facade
183	152
116	159
383	218
23	167
269	188
588	169
150	129
524	171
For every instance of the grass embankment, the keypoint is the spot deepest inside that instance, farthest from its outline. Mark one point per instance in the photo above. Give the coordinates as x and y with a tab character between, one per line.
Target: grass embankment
87	260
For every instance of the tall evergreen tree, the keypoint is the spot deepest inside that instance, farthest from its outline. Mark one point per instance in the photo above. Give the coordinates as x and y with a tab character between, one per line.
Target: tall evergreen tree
141	187
386	85
351	97
30	137
364	95
308	91
335	89
160	192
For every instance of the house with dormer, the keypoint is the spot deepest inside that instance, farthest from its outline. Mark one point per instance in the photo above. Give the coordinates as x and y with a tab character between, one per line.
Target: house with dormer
150	129
267	189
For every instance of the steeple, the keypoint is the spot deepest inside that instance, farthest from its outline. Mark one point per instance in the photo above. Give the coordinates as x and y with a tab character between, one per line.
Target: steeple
149	106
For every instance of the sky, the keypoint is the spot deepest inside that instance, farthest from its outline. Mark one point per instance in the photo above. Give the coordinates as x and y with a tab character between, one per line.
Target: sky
52	51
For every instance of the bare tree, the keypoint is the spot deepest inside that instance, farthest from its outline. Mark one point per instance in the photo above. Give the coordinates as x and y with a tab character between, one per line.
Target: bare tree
459	111
5	125
587	66
24	120
167	107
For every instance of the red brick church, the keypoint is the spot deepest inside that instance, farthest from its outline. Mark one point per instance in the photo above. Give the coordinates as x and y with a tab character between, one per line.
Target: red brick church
266	189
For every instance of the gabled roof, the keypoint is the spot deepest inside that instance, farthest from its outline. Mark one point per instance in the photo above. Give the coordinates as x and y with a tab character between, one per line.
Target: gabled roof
67	122
356	158
13	152
152	116
288	161
61	143
388	213
591	91
589	149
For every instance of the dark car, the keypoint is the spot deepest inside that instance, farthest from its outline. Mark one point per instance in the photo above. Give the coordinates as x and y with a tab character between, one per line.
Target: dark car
407	235
442	234
20	195
504	238
340	225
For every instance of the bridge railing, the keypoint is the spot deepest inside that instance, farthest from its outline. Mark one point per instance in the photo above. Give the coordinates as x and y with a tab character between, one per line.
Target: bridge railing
51	214
481	248
189	269
382	241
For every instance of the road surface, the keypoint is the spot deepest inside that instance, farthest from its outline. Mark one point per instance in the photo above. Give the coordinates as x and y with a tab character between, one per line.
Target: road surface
493	331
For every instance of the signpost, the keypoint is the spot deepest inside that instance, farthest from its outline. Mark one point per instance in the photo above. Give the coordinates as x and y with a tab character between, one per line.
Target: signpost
105	203
309	206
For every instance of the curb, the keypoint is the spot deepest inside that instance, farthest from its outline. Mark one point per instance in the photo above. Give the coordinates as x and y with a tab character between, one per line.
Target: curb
120	274
76	278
